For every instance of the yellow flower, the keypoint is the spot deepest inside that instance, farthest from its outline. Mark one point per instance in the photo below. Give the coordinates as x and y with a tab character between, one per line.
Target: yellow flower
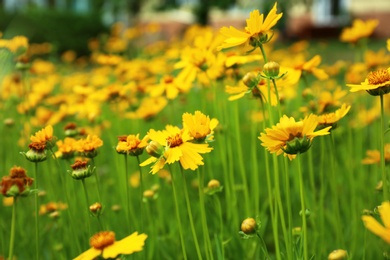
388	44
375	227
43	136
88	146
376	83
131	144
374	156
310	66
200	127
255	32
177	146
360	29
290	136
330	119
104	244
66	148
169	86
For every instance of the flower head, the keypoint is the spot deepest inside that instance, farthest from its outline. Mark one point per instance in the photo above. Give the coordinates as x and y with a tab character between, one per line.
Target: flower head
290	136
376	83
88	146
200	126
330	119
131	145
375	227
104	244
256	30
17	183
174	144
44	136
360	29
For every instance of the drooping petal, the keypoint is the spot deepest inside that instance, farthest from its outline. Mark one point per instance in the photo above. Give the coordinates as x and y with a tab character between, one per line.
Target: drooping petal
375	227
126	246
90	254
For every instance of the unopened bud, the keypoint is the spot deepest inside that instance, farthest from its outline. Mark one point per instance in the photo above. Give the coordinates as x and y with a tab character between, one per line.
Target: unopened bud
248	226
271	69
154	149
213	184
338	254
250	79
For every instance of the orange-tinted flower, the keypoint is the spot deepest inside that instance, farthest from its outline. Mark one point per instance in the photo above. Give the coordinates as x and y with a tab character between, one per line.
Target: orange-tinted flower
103	244
43	136
374	156
66	148
256	30
330	119
17	183
88	146
291	137
132	145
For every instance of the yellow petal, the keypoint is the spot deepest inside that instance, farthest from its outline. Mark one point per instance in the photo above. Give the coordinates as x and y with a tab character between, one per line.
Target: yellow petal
173	154
376	228
90	254
126	246
384	212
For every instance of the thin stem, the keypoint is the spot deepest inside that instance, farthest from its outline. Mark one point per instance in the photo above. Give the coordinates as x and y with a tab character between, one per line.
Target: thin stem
12	238
206	235
127	193
277	98
303	208
189	212
183	248
87	201
263	245
141	192
97	181
219	210
263	53
36	212
382	149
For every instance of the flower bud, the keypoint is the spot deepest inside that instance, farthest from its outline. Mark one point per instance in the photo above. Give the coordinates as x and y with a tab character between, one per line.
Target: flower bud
155	149
296	231
37	152
95	208
338	254
213	184
250	79
248	226
71	130
81	170
9	122
271	69
17	183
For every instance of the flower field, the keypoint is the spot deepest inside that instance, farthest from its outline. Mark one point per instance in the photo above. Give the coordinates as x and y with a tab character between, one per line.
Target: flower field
218	144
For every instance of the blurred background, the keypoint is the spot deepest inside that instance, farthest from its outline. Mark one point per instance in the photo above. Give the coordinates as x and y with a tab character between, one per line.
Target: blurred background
69	24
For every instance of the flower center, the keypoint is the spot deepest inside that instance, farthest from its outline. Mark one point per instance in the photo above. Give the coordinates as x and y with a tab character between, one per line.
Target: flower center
378	77
102	239
175	140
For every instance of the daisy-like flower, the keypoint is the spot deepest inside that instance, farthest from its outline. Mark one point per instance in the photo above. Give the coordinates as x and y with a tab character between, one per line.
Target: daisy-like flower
44	136
375	227
374	156
291	137
200	126
131	144
171	145
360	29
103	244
17	183
66	148
88	146
330	119
256	32
376	83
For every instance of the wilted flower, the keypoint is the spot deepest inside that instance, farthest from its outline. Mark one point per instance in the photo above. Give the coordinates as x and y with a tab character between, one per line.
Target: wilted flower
17	183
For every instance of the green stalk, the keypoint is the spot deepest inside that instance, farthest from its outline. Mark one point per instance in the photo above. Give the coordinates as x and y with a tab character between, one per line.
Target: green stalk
206	235
12	238
189	212
141	192
87	201
183	248
128	210
382	149
219	210
36	212
303	208
97	181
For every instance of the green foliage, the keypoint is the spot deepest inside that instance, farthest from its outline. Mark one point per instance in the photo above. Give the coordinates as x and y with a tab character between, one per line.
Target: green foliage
64	29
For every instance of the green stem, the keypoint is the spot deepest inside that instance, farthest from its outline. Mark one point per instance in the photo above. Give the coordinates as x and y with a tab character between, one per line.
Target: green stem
277	98
97	181
36	212
127	193
206	235
263	245
12	238
303	208
141	193
219	210
263	53
178	216
87	202
189	212
382	149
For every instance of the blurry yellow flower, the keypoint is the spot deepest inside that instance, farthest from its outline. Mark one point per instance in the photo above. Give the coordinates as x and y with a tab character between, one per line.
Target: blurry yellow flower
51	207
256	30
374	156
44	136
375	227
103	244
169	87
131	144
8	201
88	146
388	44
66	148
330	119
175	146
149	107
200	126
291	137
311	68
376	83
360	29
374	59
17	44
107	59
